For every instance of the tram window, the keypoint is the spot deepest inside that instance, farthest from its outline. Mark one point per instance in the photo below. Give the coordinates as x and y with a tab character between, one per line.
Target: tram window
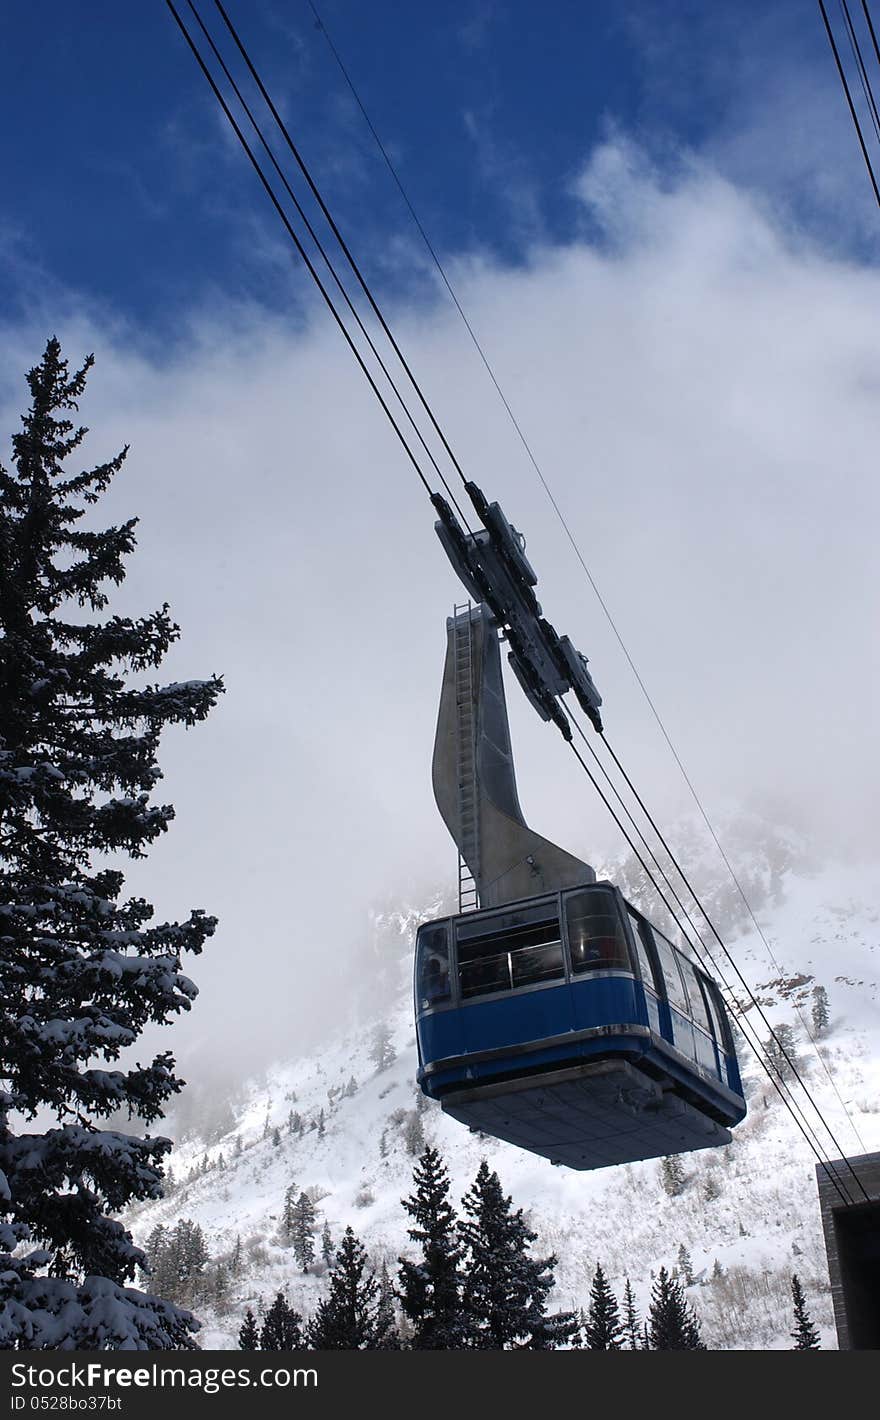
485	974
595	933
669	967
698	1005
433	956
642	953
719	1018
500	953
529	965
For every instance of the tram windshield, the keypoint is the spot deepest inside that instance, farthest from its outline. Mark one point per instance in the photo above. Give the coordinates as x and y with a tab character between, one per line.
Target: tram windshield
596	934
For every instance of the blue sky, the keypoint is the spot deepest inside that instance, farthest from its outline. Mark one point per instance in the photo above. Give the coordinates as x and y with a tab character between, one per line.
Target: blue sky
122	185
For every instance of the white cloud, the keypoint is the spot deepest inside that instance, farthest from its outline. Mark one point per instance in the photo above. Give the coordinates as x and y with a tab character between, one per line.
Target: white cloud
702	394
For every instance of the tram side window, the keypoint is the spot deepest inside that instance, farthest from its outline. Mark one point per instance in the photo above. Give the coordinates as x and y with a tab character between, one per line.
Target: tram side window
698	1005
719	1018
502	955
433	957
595	933
669	967
642	953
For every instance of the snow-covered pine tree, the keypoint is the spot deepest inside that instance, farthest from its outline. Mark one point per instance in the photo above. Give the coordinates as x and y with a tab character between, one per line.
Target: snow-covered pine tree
282	1327
632	1327
382	1052
386	1321
414	1133
672	1325
430	1289
712	1187
81	971
685	1266
602	1329
291	1194
505	1289
302	1231
821	1010
672	1175
249	1335
350	1317
159	1271
235	1257
782	1051
189	1252
805	1335
327	1249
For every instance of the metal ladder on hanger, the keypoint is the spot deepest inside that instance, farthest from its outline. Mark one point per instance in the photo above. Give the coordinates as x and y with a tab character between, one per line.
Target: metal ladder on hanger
466	752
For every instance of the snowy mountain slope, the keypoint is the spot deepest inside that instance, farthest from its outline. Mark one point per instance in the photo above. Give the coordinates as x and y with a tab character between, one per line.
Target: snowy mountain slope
751	1208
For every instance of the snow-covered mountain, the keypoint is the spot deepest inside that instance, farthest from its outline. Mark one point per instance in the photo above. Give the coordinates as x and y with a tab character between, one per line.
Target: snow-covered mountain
749	1213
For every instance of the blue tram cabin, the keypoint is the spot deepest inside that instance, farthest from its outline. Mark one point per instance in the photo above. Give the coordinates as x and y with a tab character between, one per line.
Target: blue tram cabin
568	1025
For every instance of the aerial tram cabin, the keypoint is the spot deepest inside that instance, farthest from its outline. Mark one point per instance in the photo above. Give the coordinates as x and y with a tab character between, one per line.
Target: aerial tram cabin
567	1024
549	1011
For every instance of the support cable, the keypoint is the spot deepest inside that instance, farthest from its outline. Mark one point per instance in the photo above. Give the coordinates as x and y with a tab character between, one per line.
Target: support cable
852	109
299	246
860	65
326	259
872	30
339	237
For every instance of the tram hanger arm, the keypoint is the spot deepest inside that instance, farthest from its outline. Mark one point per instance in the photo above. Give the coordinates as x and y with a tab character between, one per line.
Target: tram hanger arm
494	569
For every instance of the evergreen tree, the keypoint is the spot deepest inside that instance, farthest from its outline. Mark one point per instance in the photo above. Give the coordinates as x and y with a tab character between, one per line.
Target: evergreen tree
685	1266
188	1254
711	1188
602	1329
235	1259
282	1327
176	1259
430	1289
386	1323
218	1285
504	1292
781	1051
805	1335
632	1329
821	1010
302	1231
414	1133
81	972
350	1317
382	1052
249	1336
672	1325
290	1197
158	1269
672	1175
327	1248
276	1138
321	1124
